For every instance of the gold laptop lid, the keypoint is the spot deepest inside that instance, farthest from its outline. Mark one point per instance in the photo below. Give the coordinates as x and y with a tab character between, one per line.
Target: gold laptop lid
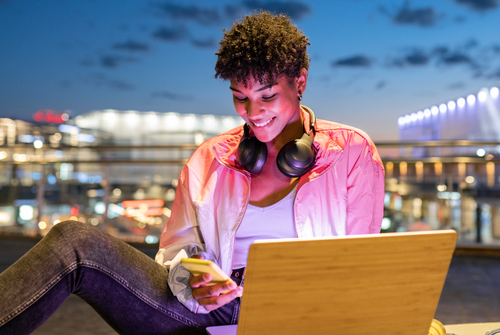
360	284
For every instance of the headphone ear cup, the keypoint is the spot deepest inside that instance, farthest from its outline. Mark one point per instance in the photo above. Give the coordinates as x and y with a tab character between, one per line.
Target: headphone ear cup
296	157
252	154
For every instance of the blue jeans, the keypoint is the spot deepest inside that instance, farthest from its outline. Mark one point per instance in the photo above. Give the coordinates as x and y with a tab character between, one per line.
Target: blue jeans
126	287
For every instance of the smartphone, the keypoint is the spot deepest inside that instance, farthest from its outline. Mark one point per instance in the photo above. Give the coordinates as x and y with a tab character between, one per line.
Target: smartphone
198	266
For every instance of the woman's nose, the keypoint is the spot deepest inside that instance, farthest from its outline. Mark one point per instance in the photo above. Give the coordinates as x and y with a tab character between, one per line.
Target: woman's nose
253	109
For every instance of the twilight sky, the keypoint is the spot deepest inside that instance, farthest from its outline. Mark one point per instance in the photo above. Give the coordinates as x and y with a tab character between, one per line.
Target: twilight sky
372	61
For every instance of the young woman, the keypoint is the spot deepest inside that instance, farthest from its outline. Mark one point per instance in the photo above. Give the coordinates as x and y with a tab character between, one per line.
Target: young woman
283	175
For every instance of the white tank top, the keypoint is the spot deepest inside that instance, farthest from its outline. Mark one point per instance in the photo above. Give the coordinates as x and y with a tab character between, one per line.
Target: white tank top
275	221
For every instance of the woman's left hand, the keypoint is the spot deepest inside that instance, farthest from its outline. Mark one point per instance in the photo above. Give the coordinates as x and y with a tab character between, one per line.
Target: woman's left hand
213	296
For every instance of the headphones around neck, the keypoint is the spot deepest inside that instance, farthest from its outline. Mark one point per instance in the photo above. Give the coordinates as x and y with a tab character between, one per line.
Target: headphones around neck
294	159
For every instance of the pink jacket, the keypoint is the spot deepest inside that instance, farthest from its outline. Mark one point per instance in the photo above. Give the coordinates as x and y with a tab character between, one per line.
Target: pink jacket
343	193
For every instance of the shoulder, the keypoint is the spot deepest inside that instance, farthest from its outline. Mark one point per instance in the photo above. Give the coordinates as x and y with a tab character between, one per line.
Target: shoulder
213	152
220	144
352	140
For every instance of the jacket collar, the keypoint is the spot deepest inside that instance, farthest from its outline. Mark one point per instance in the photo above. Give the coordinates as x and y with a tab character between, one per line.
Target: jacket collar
327	151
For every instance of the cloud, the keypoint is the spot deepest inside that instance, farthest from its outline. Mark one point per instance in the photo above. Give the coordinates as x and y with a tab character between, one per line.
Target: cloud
424	17
120	85
205	43
457	85
171	34
101	80
294	9
495	74
413	58
353	61
113	61
380	85
171	96
454	58
131	45
203	16
417	58
479	5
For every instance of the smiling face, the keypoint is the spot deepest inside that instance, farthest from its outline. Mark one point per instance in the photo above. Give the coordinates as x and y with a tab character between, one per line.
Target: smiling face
269	108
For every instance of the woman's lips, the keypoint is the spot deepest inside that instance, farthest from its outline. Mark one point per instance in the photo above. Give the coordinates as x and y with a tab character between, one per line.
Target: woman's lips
263	124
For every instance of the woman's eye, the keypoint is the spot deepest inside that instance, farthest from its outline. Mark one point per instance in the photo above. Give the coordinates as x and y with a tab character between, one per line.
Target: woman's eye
269	97
240	99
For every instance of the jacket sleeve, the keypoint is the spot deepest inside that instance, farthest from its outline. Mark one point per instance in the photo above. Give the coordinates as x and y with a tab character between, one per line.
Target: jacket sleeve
181	238
365	186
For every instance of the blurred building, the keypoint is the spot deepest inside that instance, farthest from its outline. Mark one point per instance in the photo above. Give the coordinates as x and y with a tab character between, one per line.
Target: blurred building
109	168
444	172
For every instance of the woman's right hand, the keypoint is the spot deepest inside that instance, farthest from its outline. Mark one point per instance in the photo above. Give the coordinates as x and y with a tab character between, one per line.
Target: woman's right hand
211	297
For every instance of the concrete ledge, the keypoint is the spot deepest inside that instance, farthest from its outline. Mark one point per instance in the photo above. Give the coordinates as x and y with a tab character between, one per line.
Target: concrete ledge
477	250
18	236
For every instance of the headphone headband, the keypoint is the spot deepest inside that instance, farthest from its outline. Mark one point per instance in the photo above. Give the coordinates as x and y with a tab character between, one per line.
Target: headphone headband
313	119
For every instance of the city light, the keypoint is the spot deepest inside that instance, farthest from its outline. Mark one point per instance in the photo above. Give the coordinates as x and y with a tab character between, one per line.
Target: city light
407	118
401	120
199	138
469	179
427	112
471	99
151	239
4	217
482	95
420	115
3	155
229	122
461	102
480	152
42	225
100	207
170	196
414	116
434	110
26	138
117	192
448	195
451	105
26	212
85	138
51	179
386	223
441	188
19	157
443	108
494	92
66	128
38	144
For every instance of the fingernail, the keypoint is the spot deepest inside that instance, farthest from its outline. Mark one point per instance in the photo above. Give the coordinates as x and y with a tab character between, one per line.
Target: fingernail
206	276
231	285
239	291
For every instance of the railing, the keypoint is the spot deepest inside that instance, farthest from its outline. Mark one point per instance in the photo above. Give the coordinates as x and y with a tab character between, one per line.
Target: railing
409	166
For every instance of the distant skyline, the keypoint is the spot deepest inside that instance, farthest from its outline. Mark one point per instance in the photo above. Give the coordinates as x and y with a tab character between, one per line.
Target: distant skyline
371	61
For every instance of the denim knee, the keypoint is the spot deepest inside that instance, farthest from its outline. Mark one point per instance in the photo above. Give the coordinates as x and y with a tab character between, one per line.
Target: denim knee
70	236
70	230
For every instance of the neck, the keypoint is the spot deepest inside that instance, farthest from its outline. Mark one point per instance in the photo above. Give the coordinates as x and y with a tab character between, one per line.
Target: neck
292	131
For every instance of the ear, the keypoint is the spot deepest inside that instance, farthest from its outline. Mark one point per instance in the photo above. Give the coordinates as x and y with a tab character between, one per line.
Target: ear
301	81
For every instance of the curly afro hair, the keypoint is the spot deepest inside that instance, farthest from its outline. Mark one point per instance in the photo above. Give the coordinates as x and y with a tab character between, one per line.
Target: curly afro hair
262	45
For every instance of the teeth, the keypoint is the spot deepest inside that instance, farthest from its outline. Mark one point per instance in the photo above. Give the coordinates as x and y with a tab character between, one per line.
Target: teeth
262	124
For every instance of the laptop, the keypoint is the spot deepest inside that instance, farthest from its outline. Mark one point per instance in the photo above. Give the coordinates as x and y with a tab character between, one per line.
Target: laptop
359	284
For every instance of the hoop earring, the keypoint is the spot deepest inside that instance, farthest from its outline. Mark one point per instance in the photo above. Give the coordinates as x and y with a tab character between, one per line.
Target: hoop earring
300	96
